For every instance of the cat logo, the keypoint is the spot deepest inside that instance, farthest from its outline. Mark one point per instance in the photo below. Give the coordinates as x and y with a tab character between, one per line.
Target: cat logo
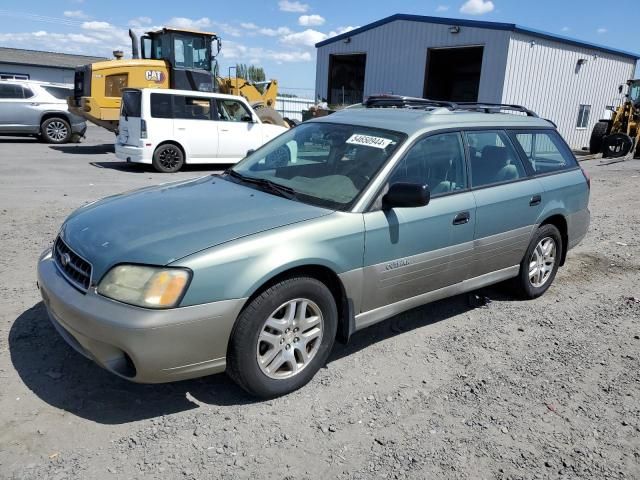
156	76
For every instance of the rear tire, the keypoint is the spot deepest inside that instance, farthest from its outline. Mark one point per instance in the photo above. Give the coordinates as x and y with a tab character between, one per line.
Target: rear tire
598	133
55	130
617	145
540	263
168	158
283	337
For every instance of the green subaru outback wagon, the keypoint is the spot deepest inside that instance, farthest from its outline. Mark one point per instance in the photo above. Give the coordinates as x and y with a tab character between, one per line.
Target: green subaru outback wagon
335	225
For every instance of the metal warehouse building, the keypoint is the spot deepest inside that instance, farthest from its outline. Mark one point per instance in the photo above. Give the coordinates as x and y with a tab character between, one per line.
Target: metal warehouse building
567	81
17	63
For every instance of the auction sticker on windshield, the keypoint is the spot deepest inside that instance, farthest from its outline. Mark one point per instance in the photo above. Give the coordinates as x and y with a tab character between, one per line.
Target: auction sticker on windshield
369	141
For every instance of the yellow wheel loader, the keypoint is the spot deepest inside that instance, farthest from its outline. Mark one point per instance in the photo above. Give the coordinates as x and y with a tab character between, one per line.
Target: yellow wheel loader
620	136
167	58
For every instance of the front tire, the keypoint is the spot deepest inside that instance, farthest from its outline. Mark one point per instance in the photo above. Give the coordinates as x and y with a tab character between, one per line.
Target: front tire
540	263
598	133
55	130
283	337
168	158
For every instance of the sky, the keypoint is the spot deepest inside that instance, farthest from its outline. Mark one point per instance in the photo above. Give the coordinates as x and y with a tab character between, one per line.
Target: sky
280	35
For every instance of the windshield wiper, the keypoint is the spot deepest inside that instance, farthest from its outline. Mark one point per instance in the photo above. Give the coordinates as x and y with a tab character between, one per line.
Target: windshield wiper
275	188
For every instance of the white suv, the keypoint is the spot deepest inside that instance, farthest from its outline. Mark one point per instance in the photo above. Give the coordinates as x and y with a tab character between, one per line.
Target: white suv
30	108
168	128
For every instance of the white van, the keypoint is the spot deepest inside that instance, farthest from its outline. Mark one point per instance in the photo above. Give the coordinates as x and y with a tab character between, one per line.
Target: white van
168	128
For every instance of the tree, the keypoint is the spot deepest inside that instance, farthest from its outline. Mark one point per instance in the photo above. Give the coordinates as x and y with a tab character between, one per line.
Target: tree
250	73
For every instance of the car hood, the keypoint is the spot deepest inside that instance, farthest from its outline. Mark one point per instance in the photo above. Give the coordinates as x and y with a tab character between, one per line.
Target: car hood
158	225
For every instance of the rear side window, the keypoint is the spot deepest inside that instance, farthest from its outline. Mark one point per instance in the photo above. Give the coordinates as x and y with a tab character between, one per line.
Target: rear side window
131	101
59	92
493	158
191	108
9	90
544	150
161	105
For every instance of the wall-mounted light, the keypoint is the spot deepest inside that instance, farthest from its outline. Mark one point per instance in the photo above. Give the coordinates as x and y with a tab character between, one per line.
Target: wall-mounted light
347	40
532	43
582	61
454	29
596	56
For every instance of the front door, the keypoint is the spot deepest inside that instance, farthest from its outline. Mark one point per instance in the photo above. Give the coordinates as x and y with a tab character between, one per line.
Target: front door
508	202
411	251
238	132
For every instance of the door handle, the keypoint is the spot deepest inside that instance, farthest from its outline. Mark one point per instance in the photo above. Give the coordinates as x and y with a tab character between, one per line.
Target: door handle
462	218
35	104
535	200
181	128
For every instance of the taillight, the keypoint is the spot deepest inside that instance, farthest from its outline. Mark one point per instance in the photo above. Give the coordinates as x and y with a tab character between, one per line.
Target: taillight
587	177
143	129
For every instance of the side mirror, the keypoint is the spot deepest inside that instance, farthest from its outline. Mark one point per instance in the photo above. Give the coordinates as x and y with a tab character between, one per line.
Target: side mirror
406	195
250	151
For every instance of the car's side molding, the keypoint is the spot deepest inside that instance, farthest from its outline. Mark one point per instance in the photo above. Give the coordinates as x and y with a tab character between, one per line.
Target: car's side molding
366	319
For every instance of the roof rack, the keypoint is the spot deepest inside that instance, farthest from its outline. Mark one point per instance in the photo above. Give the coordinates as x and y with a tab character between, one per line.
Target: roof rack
494	107
399	101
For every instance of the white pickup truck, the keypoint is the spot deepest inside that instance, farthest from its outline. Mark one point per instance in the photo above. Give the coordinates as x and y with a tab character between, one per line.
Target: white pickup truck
168	128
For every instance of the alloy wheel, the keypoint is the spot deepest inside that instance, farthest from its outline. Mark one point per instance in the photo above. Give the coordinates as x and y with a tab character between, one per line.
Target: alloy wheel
169	157
542	262
290	338
57	131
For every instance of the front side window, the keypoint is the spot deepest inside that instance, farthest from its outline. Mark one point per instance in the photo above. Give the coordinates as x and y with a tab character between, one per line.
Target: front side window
545	151
113	84
493	158
324	164
437	161
233	111
583	116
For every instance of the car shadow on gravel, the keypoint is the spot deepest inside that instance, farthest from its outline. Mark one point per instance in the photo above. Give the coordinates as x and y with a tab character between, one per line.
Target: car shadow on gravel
61	377
145	168
79	149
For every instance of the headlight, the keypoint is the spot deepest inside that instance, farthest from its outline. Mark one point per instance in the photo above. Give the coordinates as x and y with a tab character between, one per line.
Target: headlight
150	287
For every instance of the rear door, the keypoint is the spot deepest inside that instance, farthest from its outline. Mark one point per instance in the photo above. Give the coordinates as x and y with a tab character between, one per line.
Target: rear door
194	127
411	251
130	118
239	132
508	201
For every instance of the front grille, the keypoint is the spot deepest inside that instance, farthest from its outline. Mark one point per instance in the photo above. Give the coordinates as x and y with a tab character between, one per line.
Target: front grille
75	268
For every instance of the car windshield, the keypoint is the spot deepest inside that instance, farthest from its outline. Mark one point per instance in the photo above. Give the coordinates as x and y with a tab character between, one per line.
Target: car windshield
325	164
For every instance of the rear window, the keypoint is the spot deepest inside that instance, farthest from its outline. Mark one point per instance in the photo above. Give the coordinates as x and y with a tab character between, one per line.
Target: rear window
59	92
131	101
544	150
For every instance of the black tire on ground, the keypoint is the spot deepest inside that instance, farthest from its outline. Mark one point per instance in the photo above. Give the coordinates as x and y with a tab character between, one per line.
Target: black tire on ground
598	133
616	145
269	115
242	360
523	283
168	158
55	130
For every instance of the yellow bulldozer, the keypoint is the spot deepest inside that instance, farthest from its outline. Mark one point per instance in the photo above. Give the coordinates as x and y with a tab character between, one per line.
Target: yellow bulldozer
620	136
167	58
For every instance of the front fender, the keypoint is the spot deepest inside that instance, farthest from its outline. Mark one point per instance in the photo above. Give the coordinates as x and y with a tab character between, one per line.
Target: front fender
241	267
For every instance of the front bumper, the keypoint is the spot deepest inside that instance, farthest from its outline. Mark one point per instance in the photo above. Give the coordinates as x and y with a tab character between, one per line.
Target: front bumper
141	345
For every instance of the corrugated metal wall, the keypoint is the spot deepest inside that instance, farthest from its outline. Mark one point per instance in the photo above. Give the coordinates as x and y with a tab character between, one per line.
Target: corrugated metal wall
545	77
42	74
397	57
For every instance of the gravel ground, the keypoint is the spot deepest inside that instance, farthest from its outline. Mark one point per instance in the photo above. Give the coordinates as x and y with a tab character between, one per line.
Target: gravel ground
542	389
